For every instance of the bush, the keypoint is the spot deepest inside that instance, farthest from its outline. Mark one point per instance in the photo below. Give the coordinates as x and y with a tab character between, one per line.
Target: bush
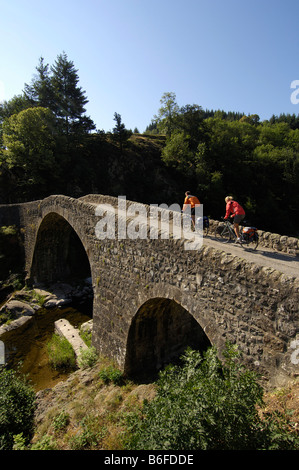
60	421
11	254
111	374
61	353
88	358
86	336
207	405
17	405
45	443
91	434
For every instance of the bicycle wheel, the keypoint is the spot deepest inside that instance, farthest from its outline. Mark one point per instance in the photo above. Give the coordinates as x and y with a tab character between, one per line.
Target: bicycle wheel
222	233
252	241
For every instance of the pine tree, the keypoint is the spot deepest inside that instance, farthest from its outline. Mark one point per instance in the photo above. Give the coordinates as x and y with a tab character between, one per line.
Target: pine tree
69	98
122	134
40	92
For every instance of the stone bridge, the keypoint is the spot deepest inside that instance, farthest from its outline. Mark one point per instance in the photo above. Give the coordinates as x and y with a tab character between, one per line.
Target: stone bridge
153	298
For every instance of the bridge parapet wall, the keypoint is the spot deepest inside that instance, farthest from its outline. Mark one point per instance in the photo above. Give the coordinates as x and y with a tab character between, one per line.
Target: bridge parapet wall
275	241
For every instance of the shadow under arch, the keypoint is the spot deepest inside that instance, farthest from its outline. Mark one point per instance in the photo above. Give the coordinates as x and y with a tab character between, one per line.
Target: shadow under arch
159	334
59	255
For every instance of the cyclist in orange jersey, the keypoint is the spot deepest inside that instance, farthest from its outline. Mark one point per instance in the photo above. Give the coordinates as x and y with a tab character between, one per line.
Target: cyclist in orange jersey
193	202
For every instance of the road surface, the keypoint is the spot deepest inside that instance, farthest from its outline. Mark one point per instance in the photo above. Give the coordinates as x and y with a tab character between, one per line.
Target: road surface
263	256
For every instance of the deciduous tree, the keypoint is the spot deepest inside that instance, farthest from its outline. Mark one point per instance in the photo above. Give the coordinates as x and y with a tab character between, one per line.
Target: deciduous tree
29	139
167	113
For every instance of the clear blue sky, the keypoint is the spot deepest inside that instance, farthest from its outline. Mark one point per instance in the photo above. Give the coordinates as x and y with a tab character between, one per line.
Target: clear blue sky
233	55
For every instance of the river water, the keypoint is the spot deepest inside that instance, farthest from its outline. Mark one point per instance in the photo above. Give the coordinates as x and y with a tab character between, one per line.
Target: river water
26	346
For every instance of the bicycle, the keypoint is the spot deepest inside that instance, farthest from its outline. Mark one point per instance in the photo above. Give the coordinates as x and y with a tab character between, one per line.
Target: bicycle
226	233
201	224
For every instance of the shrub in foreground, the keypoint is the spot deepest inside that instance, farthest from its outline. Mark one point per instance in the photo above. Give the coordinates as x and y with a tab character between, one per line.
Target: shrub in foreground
88	357
17	405
208	405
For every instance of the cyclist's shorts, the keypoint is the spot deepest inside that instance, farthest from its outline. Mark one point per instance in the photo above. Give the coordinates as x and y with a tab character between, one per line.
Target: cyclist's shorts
238	218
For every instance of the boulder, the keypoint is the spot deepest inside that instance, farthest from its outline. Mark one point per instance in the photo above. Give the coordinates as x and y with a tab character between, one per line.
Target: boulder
18	309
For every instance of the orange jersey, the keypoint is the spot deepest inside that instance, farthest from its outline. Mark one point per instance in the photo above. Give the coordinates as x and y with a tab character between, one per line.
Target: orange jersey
192	200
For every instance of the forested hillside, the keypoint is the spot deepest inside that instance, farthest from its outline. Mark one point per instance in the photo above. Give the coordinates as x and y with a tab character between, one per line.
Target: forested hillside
48	145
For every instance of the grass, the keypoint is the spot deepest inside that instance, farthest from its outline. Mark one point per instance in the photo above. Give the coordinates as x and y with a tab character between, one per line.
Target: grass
89	410
61	353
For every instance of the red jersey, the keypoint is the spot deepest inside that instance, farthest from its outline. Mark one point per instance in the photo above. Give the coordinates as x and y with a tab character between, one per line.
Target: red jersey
233	207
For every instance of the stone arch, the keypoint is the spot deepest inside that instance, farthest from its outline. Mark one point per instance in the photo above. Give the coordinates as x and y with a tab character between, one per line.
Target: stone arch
59	254
158	335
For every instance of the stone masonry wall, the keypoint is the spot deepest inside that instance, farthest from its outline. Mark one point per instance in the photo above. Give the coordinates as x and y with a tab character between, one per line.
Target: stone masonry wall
254	307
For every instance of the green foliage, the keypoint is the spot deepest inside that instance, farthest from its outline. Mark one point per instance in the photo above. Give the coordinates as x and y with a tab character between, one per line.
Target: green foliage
60	421
207	405
45	443
11	256
258	162
178	154
8	231
69	98
40	92
28	136
213	153
86	335
167	113
30	146
41	133
19	442
17	405
8	108
61	353
111	374
57	88
92	434
120	132
88	358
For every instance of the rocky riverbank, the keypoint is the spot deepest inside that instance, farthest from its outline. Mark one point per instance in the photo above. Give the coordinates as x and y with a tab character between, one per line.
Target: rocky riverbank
27	323
22	305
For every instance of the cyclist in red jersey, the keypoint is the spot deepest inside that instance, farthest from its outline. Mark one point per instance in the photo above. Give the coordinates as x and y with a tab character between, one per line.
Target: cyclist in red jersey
235	210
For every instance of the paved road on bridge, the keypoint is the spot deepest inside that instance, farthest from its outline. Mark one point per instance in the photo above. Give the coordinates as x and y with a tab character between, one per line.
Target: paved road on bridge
263	256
